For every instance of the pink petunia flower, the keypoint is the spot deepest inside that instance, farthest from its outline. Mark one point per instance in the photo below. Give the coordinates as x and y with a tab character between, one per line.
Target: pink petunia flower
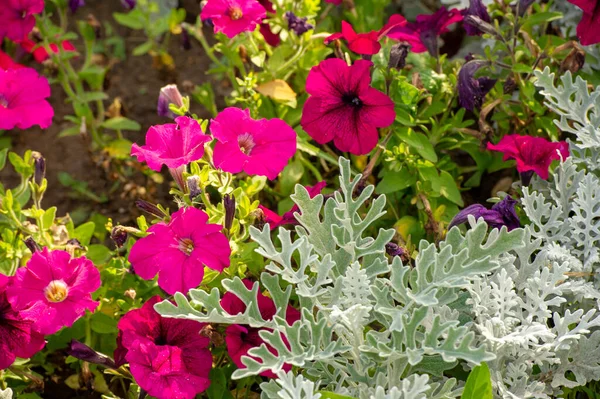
172	144
179	250
423	34
7	63
40	54
533	154
344	108
258	147
18	337
366	43
23	102
233	17
168	357
54	289
240	339
275	220
587	29
17	17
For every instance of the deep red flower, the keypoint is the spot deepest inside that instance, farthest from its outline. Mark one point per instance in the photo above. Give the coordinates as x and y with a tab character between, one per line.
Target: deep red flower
343	107
39	52
17	17
366	43
423	34
275	220
272	38
7	63
533	154
588	29
240	339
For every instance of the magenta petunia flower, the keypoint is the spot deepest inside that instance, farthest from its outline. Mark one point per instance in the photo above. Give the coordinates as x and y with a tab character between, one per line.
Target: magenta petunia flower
260	147
179	250
167	357
233	17
366	43
7	63
17	17
587	29
502	214
336	2
40	54
18	336
533	154
275	220
240	339
344	108
423	34
23	102
172	144
54	289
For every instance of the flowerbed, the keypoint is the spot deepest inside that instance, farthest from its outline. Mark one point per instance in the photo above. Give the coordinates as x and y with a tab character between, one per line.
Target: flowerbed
325	232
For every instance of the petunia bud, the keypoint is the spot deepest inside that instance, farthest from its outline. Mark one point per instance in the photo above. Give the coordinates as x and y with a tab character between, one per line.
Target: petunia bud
398	55
39	165
574	61
75	4
128	4
186	43
169	94
481	25
471	90
297	24
149	208
193	186
522	6
393	249
119	236
479	10
229	204
32	245
83	352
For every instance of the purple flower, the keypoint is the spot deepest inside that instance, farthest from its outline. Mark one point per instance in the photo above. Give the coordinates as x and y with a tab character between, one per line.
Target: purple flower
128	4
502	214
479	10
83	352
75	4
297	24
471	90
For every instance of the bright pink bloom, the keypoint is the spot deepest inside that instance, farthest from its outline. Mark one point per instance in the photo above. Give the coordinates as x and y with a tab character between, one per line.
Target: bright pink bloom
423	34
17	17
22	99
240	339
179	250
336	2
587	30
172	144
7	63
366	43
531	153
39	52
54	289
275	220
258	147
343	107
233	17
18	337
167	357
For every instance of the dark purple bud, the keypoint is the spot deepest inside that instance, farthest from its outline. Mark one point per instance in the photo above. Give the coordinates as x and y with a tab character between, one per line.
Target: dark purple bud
297	24
479	24
430	40
193	185
509	85
169	94
506	208
393	249
32	245
75	4
471	90
87	354
522	6
479	10
185	39
501	214
39	167
229	204
398	55
128	4
149	208
119	236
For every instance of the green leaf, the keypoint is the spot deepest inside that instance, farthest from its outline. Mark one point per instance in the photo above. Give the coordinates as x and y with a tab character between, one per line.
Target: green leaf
48	218
98	254
449	189
332	395
218	385
542	17
133	19
479	384
119	148
143	48
102	323
70	131
85	232
3	154
93	96
420	143
395	181
121	123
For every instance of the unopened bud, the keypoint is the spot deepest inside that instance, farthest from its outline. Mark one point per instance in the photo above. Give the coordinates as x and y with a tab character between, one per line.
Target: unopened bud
130	293
229	204
128	4
193	185
39	164
119	236
149	208
185	39
83	352
169	94
480	24
398	55
32	245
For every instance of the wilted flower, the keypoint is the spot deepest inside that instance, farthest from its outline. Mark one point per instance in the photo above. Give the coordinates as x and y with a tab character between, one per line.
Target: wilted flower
233	17
18	336
297	24
423	34
23	102
39	167
502	214
229	205
471	90
533	154
260	147
588	29
193	185
54	289
75	4
7	63
172	144
393	249
479	10
343	107
288	218
398	54
179	250
119	235
83	352
32	245
17	18
366	43
167	357
240	339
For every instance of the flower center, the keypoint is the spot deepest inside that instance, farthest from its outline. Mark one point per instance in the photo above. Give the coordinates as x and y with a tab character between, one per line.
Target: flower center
186	246
160	340
246	143
56	291
352	100
235	13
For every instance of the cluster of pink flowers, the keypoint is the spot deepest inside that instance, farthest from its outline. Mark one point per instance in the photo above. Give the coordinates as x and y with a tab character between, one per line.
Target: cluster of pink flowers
51	292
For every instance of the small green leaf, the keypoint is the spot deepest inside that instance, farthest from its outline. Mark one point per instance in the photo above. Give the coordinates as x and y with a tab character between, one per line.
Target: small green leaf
102	323
85	232
449	189
3	154
420	143
479	384
119	148
143	48
121	123
133	19
98	254
542	17
332	395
